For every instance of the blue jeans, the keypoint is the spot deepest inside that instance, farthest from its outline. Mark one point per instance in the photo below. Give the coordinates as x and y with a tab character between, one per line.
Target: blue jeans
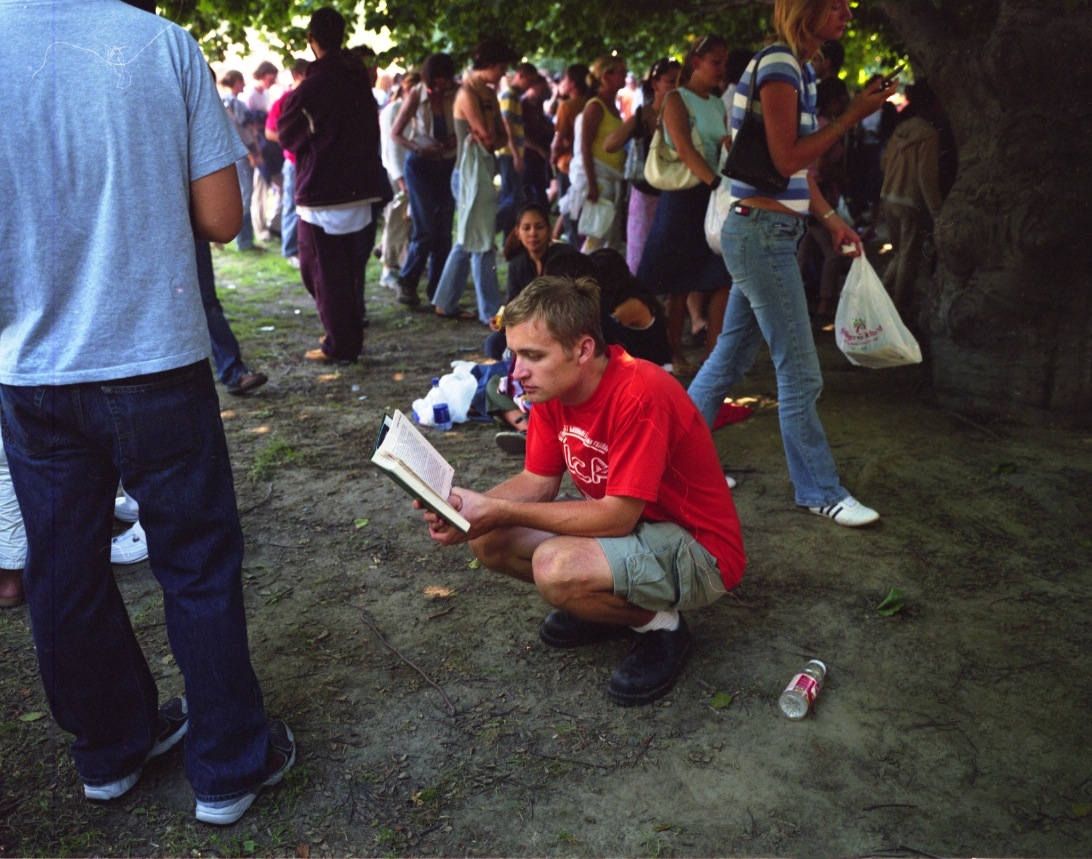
161	434
767	302
289	218
245	240
453	281
511	198
432	210
225	348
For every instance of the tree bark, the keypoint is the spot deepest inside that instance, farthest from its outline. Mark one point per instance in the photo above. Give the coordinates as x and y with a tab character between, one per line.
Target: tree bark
1009	313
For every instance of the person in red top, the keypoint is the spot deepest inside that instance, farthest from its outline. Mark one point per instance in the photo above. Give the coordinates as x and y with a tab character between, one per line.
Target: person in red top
656	532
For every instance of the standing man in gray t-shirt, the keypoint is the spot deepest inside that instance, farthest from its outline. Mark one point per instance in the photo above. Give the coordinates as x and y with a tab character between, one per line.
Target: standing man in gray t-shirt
104	374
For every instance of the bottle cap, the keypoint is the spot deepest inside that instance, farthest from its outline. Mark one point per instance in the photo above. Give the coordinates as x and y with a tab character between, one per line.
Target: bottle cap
435	380
819	663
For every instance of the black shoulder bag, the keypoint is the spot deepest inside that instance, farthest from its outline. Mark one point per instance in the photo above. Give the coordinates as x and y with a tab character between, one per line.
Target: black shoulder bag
749	159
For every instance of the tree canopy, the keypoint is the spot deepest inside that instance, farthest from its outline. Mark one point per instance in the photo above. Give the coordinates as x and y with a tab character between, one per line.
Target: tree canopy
551	32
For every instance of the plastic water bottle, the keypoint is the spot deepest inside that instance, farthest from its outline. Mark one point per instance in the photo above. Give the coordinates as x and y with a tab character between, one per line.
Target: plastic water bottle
800	694
441	414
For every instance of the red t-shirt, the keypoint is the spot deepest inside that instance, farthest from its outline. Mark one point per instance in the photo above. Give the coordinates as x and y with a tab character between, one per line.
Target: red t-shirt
640	436
271	122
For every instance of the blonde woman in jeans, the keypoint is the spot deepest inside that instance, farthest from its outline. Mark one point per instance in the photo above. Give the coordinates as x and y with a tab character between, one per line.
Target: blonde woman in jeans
759	242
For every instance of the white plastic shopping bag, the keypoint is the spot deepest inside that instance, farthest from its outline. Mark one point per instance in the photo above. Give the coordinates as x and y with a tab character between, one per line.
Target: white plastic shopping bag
596	218
716	213
867	327
457	389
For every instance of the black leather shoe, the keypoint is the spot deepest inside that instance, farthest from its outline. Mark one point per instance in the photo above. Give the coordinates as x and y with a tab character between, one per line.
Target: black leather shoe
408	294
652	666
562	629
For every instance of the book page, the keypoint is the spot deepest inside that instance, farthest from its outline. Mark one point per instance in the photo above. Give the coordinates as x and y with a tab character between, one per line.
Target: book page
405	443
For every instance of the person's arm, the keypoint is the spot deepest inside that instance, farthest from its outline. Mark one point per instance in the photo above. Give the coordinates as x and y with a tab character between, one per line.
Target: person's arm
468	108
592	117
402	121
507	113
781	114
677	121
525	486
216	205
563	135
840	232
617	139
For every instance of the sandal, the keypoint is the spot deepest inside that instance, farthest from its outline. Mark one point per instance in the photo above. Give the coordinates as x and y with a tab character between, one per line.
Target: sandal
462	315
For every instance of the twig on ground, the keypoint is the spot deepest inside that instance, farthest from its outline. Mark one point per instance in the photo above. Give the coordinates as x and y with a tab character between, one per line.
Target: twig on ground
447	701
268	494
977	426
919	851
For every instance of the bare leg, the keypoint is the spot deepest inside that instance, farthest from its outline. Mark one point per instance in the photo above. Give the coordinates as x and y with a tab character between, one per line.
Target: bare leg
571	573
676	315
695	305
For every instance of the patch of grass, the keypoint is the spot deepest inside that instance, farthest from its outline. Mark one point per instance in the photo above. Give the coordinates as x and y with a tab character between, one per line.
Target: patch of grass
274	454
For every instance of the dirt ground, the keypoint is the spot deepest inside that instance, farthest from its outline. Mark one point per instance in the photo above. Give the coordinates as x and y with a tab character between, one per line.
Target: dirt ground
431	721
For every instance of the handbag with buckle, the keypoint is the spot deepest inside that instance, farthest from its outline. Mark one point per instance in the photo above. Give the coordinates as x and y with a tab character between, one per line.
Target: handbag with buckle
749	160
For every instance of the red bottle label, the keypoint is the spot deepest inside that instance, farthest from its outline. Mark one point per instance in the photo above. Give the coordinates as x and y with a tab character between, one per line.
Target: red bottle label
806	686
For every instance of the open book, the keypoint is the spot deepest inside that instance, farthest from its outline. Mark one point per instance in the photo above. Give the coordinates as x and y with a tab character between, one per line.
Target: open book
416	466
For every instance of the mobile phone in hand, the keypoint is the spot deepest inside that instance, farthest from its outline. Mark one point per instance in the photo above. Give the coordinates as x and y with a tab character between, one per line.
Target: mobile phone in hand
889	78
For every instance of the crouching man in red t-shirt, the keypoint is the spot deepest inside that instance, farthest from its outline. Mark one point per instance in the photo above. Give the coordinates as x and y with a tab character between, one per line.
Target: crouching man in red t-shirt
657	532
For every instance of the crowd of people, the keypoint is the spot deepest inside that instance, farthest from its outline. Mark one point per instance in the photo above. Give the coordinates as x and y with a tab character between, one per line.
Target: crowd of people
588	334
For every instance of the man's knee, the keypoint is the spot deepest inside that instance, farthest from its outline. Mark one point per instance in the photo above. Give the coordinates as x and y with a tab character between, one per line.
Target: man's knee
563	569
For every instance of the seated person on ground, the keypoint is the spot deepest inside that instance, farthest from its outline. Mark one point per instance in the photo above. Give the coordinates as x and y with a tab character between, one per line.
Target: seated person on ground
656	533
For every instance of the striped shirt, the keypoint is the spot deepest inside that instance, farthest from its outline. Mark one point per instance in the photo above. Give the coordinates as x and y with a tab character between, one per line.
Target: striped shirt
777	63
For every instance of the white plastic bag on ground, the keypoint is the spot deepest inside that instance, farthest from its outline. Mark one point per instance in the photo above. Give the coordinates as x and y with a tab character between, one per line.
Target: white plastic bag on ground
457	389
867	327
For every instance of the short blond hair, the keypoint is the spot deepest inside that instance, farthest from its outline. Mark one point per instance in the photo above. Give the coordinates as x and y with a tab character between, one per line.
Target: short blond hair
569	308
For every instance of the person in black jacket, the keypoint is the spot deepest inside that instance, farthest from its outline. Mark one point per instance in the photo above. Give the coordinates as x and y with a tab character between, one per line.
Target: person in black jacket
331	123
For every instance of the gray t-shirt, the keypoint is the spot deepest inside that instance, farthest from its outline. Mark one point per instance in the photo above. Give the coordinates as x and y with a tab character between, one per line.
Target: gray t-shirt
112	113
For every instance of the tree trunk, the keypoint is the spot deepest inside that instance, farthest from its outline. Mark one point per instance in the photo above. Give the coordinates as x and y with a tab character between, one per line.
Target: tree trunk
1010	310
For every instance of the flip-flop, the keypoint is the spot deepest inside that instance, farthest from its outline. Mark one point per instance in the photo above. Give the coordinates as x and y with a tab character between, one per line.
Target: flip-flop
462	315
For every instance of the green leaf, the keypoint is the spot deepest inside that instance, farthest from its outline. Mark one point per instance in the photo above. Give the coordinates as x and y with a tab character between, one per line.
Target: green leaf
1004	468
720	701
31	717
1081	809
892	603
475	564
360	523
1084	543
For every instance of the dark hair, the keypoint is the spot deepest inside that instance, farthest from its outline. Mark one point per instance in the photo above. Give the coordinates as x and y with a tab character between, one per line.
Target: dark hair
327	28
828	93
699	48
568	307
617	283
528	71
512	245
299	66
231	78
492	52
738	60
578	74
437	66
265	68
659	68
921	95
834	54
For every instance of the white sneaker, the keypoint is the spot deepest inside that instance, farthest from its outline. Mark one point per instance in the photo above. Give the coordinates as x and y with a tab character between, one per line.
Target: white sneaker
389	279
126	509
129	547
849	512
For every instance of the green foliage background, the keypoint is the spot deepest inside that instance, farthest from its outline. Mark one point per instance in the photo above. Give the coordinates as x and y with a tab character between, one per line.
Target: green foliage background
548	32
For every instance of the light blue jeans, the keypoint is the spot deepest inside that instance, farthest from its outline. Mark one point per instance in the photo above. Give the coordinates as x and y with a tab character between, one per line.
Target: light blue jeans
767	303
458	266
